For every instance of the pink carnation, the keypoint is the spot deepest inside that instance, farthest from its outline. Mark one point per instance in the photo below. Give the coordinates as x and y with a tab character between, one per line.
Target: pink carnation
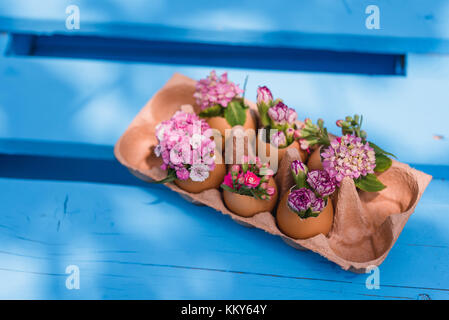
251	180
228	180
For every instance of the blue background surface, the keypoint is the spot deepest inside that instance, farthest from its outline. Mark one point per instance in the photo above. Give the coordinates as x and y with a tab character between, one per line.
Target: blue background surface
60	116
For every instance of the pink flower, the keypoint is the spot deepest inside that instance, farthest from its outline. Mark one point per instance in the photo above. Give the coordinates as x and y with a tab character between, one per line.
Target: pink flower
251	180
182	174
271	191
215	90
348	156
264	95
228	180
183	144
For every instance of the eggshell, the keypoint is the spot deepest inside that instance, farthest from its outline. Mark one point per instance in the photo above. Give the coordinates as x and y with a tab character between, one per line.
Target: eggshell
295	227
247	206
221	124
213	181
314	162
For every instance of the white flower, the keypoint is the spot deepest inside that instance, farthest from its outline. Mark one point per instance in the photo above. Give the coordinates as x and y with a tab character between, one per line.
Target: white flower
160	130
157	150
199	172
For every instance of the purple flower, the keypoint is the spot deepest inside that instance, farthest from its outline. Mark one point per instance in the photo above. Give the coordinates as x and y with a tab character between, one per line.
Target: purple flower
278	139
348	156
278	112
264	95
318	205
321	182
300	200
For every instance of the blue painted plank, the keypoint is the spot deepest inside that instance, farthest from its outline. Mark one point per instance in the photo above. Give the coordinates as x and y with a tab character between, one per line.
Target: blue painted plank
324	24
202	54
133	242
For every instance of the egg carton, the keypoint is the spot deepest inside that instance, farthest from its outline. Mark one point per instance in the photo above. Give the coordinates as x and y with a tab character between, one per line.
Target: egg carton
366	224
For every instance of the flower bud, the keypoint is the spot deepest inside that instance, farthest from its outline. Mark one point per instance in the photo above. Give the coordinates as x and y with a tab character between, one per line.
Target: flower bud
271	191
363	134
291	116
320	123
264	95
339	123
235	169
297	134
348	119
299	172
290	132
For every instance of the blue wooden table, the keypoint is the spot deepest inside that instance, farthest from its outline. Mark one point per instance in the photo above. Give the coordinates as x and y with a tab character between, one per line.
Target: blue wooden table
65	201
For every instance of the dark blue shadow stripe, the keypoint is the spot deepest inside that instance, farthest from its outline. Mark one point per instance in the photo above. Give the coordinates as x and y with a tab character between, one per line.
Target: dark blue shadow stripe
107	171
66	169
190	53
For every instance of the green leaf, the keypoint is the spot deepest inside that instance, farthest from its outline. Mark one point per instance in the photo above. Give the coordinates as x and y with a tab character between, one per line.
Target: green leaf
378	149
214	111
227	188
369	183
235	113
383	163
171	176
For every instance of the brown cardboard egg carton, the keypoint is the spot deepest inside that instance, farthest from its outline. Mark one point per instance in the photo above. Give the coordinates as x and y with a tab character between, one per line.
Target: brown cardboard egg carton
366	225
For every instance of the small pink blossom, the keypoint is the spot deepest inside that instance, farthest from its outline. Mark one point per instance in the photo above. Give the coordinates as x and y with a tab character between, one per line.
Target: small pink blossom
182	174
228	181
215	90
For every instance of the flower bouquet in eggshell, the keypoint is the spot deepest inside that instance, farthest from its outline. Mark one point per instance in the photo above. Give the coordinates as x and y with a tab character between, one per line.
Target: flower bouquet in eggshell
350	155
279	124
188	153
249	188
221	103
306	209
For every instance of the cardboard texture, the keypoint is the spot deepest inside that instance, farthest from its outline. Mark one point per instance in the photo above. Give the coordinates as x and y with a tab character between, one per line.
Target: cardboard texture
365	227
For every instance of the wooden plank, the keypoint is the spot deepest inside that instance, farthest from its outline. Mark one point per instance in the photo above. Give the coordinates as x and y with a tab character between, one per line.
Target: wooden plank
149	243
93	102
327	24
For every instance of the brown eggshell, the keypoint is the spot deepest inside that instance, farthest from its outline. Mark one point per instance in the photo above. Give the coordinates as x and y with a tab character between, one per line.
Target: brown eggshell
212	182
247	206
314	162
295	227
222	125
